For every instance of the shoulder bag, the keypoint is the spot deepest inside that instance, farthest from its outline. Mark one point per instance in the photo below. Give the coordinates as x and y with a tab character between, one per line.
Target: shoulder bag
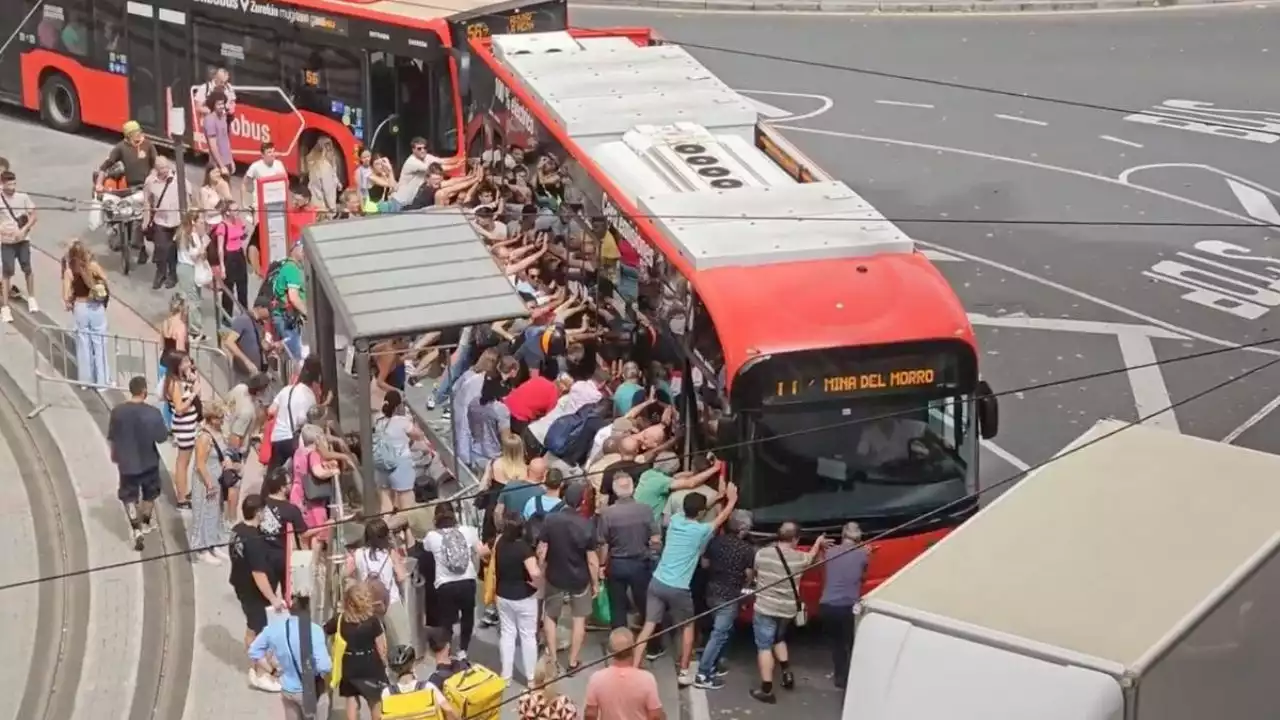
315	489
150	230
802	618
229	477
321	686
19	220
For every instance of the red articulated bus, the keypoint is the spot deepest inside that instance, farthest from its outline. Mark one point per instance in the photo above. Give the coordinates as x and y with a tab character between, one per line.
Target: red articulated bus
844	363
374	74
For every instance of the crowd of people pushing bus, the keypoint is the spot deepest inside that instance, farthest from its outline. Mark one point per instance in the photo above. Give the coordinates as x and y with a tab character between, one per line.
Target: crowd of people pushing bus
578	422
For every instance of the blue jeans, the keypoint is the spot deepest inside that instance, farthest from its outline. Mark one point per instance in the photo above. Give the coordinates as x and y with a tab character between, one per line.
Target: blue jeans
452	373
721	630
91	342
290	336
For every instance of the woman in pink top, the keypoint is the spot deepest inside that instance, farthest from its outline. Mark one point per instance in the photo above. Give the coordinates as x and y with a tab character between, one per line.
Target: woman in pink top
306	460
622	691
231	235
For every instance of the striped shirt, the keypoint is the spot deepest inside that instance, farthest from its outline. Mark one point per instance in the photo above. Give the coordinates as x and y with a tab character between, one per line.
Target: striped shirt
775	597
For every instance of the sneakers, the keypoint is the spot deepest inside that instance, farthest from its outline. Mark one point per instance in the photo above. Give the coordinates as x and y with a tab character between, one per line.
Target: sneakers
490	618
652	655
265	683
208	558
431	402
32	306
707	683
460	656
150	525
136	533
6	315
686	677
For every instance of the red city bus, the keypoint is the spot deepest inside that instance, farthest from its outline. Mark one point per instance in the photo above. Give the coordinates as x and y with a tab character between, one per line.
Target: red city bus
785	295
376	73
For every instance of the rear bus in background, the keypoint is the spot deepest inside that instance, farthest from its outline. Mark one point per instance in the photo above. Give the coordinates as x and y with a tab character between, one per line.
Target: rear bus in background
843	364
375	74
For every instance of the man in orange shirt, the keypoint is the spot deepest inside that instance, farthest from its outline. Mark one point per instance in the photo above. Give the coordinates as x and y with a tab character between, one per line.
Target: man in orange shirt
300	215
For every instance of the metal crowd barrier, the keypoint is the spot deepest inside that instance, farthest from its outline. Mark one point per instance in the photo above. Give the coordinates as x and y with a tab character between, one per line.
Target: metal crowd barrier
111	360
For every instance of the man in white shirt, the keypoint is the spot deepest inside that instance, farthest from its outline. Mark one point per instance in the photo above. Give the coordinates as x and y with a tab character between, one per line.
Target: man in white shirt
266	166
487	227
414	172
289	409
219	79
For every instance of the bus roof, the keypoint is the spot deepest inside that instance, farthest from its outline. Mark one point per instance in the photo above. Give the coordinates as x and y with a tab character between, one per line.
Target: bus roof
675	148
681	145
1106	551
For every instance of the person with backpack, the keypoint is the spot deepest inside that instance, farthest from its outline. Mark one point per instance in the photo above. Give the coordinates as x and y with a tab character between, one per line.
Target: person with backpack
410	698
394	435
455	549
284	292
567	551
382	567
536	508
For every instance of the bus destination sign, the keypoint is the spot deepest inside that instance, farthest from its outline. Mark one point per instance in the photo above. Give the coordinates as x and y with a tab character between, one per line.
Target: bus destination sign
875	377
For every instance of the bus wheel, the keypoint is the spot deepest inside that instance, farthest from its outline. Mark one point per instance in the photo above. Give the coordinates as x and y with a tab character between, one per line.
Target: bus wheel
59	103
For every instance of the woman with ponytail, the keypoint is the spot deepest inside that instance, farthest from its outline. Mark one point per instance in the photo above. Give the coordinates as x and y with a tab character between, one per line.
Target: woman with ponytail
394	435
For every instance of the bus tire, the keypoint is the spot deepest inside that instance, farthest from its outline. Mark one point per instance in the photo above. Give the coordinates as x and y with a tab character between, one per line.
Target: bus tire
60	103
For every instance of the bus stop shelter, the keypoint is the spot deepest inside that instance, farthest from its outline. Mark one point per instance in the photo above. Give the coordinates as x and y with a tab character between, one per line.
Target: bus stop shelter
392	276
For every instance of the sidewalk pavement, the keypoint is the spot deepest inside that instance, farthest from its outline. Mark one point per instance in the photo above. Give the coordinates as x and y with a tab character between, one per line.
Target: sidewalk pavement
21	606
889	7
218	684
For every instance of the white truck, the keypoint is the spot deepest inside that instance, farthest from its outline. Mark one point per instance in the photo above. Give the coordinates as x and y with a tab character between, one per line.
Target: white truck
1135	578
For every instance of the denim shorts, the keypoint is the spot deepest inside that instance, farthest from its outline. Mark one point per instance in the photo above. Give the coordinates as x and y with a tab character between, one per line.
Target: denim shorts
768	630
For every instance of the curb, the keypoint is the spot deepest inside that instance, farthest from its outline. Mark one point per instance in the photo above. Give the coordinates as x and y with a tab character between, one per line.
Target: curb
897	7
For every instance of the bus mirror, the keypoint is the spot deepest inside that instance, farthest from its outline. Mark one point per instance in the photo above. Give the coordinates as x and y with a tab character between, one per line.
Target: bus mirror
988	409
727	437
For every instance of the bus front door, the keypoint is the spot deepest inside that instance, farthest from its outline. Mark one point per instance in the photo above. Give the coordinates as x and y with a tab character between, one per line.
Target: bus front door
400	105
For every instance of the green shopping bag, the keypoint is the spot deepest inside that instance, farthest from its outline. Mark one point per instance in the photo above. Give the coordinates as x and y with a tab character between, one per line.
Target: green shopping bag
601	610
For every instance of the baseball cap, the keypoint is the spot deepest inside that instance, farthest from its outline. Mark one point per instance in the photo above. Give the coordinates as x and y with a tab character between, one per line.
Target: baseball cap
574	494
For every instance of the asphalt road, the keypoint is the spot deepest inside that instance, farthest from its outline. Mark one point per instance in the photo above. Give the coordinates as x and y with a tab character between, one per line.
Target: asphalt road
970	172
1083	239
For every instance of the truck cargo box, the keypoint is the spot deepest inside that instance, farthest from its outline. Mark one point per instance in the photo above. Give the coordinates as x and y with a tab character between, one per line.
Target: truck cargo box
1139	555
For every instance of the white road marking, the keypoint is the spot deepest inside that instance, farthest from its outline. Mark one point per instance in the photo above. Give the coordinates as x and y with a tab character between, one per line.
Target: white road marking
1028	121
1177	123
699	708
1255	202
1253	420
769	111
1042	280
939	256
899	103
1073	326
1150	394
826	104
1112	138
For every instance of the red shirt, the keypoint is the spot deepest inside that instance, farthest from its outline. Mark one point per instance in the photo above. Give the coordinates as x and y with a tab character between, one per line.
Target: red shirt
534	398
297	220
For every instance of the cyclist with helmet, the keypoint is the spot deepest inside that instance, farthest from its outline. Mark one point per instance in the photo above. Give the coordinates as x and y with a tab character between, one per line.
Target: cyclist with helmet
130	161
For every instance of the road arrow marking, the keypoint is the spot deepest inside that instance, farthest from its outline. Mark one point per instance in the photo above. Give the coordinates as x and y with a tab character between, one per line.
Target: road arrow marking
1255	202
1022	322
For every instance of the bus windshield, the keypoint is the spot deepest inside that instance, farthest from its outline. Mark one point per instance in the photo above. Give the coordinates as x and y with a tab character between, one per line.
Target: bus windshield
826	462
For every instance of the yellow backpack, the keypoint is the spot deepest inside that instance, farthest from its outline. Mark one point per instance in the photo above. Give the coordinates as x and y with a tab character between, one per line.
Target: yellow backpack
419	704
476	693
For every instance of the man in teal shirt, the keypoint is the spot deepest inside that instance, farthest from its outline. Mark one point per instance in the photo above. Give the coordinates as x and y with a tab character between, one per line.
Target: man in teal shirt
289	308
669	589
658	483
280	640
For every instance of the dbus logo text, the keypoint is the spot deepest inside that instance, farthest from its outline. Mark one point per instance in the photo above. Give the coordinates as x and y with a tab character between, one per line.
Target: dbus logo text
246	128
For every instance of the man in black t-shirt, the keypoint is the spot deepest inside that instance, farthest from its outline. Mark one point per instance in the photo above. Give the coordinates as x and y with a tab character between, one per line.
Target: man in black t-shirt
281	521
133	431
567	549
254	580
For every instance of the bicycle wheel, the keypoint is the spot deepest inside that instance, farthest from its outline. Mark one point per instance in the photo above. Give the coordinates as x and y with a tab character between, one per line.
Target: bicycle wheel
126	247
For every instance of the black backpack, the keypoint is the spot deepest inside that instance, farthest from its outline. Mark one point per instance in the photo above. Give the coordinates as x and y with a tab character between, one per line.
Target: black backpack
266	297
533	526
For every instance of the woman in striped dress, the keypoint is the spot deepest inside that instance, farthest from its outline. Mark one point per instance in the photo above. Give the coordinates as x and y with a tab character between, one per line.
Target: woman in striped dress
182	390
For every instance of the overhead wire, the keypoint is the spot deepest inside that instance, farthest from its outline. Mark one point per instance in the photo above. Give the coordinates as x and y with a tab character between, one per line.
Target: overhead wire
78	205
687	456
